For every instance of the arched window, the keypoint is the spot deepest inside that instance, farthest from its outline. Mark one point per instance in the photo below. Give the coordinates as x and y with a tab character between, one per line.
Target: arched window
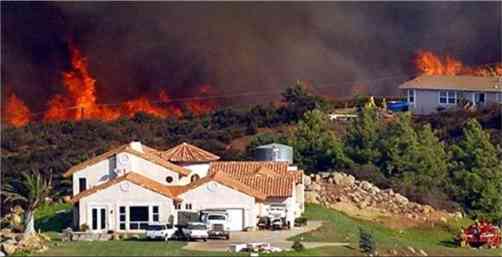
169	179
194	177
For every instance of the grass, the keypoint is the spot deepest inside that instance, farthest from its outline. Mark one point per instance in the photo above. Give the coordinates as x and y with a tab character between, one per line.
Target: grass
124	248
337	227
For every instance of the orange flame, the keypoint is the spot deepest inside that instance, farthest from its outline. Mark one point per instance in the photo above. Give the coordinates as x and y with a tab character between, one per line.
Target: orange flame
15	112
199	107
430	64
80	101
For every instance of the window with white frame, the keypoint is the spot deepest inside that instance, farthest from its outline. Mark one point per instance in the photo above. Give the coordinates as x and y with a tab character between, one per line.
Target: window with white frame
177	205
499	97
479	98
155	213
411	96
188	206
447	97
122	217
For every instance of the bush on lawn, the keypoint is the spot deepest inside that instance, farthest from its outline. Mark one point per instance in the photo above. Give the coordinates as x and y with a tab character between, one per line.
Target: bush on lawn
301	221
84	227
366	242
298	246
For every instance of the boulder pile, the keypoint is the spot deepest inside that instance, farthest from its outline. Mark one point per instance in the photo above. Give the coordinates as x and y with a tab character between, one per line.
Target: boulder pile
11	243
336	190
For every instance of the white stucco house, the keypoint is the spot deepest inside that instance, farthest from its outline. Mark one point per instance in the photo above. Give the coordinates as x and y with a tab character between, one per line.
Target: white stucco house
133	185
430	93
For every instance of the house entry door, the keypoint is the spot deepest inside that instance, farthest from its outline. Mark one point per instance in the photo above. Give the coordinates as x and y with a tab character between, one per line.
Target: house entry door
99	219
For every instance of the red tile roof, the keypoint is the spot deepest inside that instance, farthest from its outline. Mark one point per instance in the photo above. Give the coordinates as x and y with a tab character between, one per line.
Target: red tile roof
133	177
148	153
188	153
271	178
222	179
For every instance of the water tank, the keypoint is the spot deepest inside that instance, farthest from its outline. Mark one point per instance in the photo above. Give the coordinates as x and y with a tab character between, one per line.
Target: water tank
274	152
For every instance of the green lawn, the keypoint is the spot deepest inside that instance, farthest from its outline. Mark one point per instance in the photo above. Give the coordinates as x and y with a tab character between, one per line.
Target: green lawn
124	248
337	228
341	228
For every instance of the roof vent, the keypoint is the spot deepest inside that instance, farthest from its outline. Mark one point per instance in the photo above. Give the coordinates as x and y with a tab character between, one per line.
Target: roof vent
136	145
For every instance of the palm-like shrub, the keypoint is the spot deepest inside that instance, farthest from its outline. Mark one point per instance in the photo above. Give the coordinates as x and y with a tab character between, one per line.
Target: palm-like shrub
30	191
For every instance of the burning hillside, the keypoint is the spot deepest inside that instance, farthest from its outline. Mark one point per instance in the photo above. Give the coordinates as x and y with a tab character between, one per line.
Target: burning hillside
430	64
79	101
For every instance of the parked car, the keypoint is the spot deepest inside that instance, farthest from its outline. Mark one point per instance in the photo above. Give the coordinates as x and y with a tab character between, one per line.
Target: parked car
217	222
159	231
398	106
195	230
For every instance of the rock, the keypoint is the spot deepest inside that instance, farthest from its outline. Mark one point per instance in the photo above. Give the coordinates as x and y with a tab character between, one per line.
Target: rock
401	199
411	249
317	178
316	187
365	185
116	237
312	197
426	209
458	215
393	252
443	219
9	249
67	199
422	252
307	181
324	174
330	180
343	179
388	191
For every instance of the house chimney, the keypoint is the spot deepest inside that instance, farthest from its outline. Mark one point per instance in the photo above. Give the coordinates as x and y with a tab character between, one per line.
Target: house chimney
136	145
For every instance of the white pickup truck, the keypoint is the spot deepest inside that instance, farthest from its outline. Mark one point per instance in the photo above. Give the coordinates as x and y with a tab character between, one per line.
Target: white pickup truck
195	230
158	231
217	222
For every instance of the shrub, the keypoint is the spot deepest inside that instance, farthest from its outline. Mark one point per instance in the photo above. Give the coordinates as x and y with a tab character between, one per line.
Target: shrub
366	242
298	246
301	221
84	227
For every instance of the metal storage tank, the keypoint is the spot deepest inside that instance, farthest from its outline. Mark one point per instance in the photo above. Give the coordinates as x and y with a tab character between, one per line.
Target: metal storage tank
274	152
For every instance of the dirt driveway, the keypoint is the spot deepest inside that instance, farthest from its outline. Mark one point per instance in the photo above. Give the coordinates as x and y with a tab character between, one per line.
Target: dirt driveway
275	238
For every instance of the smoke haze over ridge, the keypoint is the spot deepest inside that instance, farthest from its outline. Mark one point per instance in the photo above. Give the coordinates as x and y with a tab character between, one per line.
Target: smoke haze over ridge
138	48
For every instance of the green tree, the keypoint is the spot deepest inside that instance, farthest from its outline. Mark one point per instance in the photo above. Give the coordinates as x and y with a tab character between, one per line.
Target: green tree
299	100
315	144
477	173
363	135
30	191
429	169
399	146
367	243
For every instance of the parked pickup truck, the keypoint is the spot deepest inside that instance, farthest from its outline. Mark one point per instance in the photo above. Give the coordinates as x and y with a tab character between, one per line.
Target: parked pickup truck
217	222
159	231
195	230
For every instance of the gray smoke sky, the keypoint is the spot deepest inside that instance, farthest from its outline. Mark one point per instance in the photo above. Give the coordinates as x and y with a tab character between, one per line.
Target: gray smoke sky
137	48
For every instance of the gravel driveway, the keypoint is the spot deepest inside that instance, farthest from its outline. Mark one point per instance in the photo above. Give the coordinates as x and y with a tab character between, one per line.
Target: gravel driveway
275	238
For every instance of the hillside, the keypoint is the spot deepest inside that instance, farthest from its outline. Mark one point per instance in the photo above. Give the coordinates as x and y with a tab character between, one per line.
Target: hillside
52	148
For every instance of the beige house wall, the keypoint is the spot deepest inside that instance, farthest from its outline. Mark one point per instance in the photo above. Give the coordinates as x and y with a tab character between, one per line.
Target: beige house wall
125	194
221	197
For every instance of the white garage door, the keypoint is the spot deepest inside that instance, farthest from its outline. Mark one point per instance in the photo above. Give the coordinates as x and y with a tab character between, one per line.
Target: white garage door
236	219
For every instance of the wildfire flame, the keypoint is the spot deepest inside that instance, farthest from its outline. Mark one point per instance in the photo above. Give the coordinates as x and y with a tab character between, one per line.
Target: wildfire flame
430	64
80	101
15	112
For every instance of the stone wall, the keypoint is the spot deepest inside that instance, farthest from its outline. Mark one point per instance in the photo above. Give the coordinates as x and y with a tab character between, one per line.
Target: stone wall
340	191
